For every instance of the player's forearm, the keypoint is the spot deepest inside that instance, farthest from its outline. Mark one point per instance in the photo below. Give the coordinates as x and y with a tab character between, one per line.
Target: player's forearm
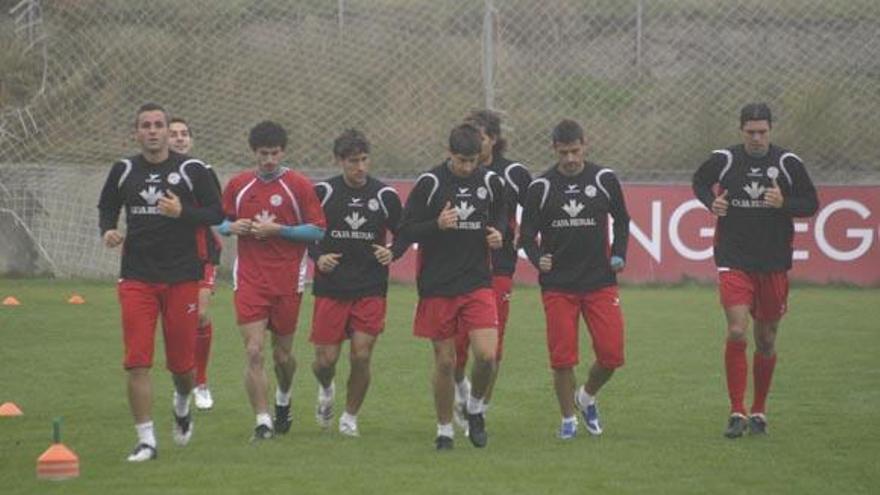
301	233
202	215
108	219
419	231
805	206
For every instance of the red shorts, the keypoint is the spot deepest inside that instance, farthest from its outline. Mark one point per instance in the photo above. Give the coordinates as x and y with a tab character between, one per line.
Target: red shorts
765	294
280	311
334	320
142	303
441	318
503	286
601	310
209	277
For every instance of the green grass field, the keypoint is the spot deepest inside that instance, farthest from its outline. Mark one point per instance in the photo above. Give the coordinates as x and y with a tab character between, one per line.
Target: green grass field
663	412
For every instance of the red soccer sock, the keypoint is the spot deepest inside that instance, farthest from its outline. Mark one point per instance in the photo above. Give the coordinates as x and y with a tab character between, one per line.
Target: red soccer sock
203	350
737	374
763	374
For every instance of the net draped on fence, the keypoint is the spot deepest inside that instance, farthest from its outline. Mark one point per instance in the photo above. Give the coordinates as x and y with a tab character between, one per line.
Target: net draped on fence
656	84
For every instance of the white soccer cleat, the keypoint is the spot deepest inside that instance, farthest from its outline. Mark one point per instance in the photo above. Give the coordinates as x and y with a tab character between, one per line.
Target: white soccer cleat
324	409
182	431
204	400
348	428
141	453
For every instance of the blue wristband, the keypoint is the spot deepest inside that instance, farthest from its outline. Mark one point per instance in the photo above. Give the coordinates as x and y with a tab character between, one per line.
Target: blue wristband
224	228
617	263
302	233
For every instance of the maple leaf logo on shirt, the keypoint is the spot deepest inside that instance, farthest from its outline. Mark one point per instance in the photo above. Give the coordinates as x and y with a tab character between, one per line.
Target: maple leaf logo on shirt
754	190
573	208
355	220
464	210
264	217
151	195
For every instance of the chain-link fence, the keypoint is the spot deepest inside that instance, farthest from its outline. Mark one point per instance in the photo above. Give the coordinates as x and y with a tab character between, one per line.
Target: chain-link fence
657	84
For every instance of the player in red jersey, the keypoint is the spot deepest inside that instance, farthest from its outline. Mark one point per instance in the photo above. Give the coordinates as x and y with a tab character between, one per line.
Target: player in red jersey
762	188
274	212
167	197
181	141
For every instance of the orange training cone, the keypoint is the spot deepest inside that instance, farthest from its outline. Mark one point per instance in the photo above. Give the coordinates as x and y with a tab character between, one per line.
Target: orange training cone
76	299
10	409
11	301
57	462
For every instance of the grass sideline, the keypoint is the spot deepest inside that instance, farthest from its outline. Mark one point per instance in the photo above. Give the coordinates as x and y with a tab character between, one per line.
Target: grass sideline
664	411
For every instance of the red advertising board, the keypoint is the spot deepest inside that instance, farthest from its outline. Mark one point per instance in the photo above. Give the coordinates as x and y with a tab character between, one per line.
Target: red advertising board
671	237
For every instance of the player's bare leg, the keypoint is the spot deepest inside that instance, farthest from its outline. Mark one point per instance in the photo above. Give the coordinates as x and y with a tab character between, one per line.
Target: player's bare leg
255	381
444	390
285	366
585	397
358	381
324	368
736	365
763	366
140	399
484	345
202	393
563	384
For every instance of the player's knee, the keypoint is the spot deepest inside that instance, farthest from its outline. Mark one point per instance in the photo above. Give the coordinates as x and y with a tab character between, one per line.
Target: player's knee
282	356
360	356
445	365
487	357
736	332
254	352
325	359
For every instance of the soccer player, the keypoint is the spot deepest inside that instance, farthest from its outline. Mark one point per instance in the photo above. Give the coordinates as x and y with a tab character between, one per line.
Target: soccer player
181	141
516	183
167	197
569	206
761	187
351	276
456	214
275	213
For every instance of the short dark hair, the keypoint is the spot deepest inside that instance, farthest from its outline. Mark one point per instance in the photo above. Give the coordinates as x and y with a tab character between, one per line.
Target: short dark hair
149	107
568	131
490	122
267	134
351	142
181	120
465	140
755	111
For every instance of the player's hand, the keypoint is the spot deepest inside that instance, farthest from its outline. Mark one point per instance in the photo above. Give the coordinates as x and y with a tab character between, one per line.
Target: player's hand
773	196
494	238
719	206
264	230
617	264
169	205
545	264
448	218
328	262
241	227
113	238
383	254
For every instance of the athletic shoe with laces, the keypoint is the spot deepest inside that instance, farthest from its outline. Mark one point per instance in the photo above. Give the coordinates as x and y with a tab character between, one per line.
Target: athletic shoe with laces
757	424
203	398
183	428
568	430
477	430
324	407
142	452
591	416
736	426
262	432
444	443
349	429
282	419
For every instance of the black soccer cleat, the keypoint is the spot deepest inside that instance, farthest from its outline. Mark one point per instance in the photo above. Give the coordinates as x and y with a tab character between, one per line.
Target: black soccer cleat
444	443
282	419
757	424
262	432
477	430
736	426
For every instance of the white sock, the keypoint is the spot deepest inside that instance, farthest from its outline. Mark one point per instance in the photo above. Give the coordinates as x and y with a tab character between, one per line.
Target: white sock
264	419
485	407
351	419
326	394
181	404
474	405
445	430
462	389
145	433
584	398
282	398
570	419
